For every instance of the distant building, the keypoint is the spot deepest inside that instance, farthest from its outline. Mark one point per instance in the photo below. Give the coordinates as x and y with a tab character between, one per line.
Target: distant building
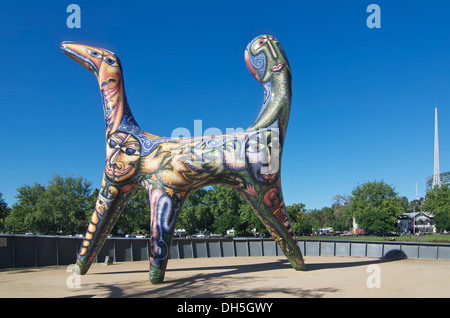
325	231
445	179
415	222
179	233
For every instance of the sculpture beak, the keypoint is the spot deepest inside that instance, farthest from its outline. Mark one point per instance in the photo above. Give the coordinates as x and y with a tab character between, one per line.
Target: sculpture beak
82	54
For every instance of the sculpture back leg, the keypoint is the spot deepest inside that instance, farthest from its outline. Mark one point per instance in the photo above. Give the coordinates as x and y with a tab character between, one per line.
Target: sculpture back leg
164	209
270	208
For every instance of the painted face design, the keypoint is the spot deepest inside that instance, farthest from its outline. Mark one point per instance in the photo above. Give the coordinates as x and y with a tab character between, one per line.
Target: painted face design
100	206
263	155
265	57
109	79
109	75
123	153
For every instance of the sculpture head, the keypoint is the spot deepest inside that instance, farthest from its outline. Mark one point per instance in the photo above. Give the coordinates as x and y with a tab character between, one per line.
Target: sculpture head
105	65
102	63
265	56
96	60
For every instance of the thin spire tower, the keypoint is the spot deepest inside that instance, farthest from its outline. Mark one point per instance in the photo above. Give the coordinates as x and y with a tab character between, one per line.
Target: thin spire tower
436	176
417	193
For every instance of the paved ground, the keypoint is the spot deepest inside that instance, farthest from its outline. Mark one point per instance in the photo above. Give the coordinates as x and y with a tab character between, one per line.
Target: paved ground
239	277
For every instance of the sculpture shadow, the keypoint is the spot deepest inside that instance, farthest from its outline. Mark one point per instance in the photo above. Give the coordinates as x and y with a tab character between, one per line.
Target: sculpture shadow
321	266
213	281
395	255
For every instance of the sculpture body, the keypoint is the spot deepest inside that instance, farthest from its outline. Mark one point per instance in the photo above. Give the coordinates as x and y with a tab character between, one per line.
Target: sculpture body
171	169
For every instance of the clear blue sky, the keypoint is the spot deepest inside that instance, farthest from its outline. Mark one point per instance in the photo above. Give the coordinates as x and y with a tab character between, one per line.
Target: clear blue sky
363	99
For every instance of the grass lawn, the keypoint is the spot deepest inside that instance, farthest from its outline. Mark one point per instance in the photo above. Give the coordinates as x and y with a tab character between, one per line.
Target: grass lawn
441	238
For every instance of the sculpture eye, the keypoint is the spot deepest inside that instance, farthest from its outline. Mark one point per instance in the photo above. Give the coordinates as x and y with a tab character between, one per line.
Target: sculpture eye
256	147
112	143
260	43
130	151
110	61
94	53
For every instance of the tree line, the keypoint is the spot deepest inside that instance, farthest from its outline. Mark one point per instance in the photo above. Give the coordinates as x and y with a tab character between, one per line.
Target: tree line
64	207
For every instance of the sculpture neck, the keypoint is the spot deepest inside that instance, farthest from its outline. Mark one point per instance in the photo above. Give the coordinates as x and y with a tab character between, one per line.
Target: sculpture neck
277	102
115	105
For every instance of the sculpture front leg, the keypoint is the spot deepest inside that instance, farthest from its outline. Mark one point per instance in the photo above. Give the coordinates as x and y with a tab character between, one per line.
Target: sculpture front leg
263	191
110	202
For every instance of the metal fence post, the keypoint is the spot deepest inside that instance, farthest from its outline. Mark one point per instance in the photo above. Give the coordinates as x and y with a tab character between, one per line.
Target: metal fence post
114	251
35	250
57	252
13	251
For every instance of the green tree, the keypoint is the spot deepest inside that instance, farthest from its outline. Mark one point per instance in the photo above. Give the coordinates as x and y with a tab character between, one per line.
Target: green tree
196	215
304	228
4	211
66	200
225	204
340	200
415	205
375	220
301	223
376	206
437	201
323	217
217	209
135	216
250	220
24	215
58	208
442	221
342	218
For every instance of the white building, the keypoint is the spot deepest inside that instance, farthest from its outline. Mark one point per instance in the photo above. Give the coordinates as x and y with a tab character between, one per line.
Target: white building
415	222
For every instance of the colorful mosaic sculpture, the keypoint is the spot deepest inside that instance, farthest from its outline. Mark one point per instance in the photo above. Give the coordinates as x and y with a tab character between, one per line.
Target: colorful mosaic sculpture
171	169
